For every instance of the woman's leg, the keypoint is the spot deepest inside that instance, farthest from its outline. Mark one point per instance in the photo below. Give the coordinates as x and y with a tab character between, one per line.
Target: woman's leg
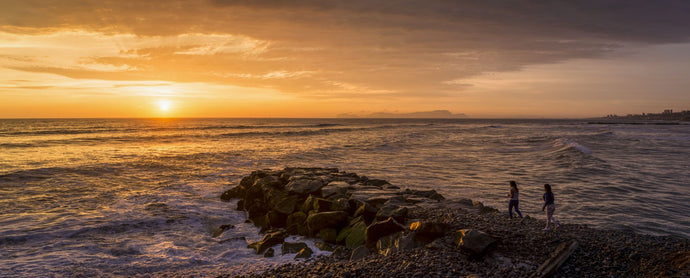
510	208
517	204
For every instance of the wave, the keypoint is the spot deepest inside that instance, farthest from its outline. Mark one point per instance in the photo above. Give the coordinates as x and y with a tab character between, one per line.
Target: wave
100	129
565	144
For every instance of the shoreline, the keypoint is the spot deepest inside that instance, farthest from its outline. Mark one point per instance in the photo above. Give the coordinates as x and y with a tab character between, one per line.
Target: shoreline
521	249
517	247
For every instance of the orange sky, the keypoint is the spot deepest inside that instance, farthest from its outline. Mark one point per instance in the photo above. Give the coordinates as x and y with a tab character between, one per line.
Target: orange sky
269	58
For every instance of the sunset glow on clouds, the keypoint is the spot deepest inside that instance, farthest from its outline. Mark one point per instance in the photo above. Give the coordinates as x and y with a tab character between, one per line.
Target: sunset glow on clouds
320	59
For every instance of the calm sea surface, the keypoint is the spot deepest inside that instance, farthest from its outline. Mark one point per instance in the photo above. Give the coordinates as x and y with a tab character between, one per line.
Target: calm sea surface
96	197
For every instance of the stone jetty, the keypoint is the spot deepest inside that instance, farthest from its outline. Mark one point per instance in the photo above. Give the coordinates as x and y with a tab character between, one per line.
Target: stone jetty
377	229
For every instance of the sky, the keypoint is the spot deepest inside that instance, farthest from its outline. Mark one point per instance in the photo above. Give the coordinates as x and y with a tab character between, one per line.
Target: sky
307	58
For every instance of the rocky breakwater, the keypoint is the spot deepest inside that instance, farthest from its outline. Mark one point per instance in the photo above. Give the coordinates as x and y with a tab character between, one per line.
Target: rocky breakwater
353	215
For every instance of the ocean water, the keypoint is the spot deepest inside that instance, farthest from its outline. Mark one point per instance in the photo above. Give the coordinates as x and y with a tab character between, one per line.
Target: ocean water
101	197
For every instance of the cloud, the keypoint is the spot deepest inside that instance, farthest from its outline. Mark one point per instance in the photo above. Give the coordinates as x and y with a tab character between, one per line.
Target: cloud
328	49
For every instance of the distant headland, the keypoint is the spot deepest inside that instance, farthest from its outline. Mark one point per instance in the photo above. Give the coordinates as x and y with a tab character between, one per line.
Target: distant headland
436	114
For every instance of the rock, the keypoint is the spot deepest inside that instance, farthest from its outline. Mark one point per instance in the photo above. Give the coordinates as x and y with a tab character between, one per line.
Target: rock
275	219
305	253
342	252
324	246
430	194
308	204
367	212
322	205
405	242
323	220
359	253
269	253
222	229
234	193
328	235
357	235
269	240
335	189
396	212
285	204
387	245
474	241
268	182
296	223
304	186
427	232
292	247
381	229
342	204
376	182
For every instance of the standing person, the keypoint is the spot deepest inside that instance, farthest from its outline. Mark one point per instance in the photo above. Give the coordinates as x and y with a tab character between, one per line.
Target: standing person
550	207
514	200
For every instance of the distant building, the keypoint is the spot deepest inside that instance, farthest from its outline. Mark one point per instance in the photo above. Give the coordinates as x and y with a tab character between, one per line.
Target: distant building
668	111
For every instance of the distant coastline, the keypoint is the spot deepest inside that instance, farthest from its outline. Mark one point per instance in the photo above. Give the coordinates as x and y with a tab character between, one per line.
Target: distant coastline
666	115
436	114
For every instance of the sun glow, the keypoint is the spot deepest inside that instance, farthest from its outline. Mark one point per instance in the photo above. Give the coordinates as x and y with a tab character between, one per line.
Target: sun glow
164	105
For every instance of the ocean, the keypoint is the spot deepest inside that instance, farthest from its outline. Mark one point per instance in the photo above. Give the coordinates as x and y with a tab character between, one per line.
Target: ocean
128	197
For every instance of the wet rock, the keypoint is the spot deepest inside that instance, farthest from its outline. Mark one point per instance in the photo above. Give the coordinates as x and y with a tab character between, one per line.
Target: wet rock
222	229
324	246
474	241
269	240
234	193
381	229
292	247
269	253
305	253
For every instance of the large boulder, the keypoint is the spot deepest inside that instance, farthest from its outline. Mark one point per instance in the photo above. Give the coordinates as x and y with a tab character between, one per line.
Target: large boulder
427	232
474	241
357	235
324	220
305	185
234	193
335	189
285	204
396	212
381	229
296	223
367	212
269	240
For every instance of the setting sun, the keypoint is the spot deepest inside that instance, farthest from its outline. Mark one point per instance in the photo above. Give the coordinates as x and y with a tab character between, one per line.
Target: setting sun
164	105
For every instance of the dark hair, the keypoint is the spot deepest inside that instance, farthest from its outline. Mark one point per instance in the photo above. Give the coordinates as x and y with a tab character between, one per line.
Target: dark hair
514	184
547	187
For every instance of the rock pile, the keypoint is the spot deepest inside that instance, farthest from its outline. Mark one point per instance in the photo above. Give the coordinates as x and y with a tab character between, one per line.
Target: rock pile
341	208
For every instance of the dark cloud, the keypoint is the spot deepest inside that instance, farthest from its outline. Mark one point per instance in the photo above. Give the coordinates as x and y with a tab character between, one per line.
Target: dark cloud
404	47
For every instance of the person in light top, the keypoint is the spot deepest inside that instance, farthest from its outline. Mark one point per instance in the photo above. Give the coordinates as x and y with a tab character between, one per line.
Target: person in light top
549	206
514	200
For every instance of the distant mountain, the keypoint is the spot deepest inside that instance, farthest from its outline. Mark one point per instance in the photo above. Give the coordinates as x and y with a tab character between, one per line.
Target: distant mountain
436	114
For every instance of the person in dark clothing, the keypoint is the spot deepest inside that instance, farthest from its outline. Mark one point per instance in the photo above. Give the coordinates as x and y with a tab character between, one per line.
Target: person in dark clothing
514	200
549	206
